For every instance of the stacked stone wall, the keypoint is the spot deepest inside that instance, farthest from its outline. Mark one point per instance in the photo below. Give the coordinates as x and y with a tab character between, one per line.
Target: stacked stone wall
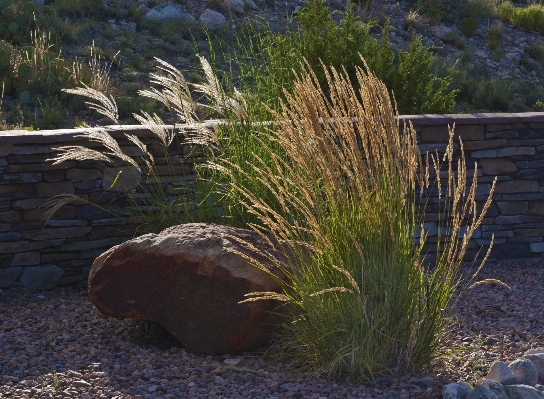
509	146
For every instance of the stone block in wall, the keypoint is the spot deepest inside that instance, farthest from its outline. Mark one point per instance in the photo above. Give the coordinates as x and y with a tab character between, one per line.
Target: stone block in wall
9	275
105	232
525	239
58	232
510	251
503	134
523	197
67	223
497	127
13	178
536	208
517	186
504	152
31	203
498	234
487	241
77	175
535	142
10	236
32	149
524	232
38	278
537	247
89	244
522	164
13	247
56	257
484	144
530	134
178	169
48	190
89	212
66	212
52	176
90	253
5	227
513	207
26	259
15	159
69	280
534	174
517	219
125	178
81	186
441	133
40	167
492	166
6	149
39	245
5	260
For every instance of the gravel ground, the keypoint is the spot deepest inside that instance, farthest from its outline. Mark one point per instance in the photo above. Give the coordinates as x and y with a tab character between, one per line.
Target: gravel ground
55	344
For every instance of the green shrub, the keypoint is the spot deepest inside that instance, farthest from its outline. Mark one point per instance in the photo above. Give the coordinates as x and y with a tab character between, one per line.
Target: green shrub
523	19
468	26
506	11
494	36
536	51
433	15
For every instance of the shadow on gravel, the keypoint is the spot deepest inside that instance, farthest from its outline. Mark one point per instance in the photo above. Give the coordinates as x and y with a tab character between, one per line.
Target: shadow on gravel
147	333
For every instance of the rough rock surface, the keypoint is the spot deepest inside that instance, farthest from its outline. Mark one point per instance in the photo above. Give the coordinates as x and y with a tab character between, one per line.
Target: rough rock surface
518	380
170	10
38	278
187	279
212	19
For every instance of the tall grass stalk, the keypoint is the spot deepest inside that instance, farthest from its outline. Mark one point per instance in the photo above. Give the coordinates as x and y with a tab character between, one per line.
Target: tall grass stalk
360	297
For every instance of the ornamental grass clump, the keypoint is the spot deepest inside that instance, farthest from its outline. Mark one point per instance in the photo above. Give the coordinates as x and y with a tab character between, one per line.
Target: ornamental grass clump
361	297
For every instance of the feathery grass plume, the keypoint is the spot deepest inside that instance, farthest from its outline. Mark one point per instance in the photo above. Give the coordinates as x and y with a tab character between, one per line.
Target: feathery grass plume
363	298
156	125
174	94
52	205
102	104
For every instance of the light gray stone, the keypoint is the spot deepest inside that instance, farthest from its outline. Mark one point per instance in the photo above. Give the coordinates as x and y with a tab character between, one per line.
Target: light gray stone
170	11
523	392
238	6
496	387
455	391
9	275
212	19
38	278
481	392
535	351
442	32
525	371
538	361
500	372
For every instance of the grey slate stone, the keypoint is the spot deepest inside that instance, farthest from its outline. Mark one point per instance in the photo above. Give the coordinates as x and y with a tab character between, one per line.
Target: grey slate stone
525	371
500	372
481	392
454	391
496	387
523	392
9	275
38	278
538	360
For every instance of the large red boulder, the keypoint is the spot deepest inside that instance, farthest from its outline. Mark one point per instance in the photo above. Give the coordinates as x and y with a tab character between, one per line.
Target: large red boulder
187	279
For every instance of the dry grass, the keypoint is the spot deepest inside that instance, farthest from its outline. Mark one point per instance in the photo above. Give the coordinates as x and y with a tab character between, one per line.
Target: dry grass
363	299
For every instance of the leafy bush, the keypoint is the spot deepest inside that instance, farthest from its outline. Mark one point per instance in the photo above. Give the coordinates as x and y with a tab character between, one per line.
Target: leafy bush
468	26
506	11
270	61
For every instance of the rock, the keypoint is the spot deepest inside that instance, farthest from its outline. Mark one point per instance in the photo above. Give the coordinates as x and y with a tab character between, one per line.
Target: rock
523	392
38	3
9	275
535	351
187	279
496	387
538	361
500	372
455	391
442	32
525	371
513	57
212	19
481	392
38	278
170	11
238	6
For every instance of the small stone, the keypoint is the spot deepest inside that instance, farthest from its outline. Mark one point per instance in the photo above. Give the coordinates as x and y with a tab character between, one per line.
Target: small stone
38	278
538	361
500	372
525	371
232	362
81	383
481	392
496	387
455	391
523	392
212	19
535	351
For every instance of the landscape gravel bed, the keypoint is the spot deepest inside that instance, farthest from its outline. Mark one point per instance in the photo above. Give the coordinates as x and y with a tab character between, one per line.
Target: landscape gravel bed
55	344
